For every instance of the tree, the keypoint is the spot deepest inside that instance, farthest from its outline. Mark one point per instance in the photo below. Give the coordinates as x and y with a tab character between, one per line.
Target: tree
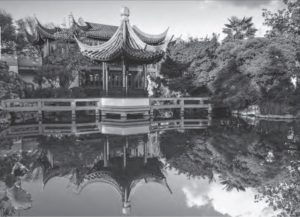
188	64
239	28
60	70
24	26
284	21
8	32
278	22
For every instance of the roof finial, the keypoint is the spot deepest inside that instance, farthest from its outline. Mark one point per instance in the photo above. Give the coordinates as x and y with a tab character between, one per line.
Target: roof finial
125	13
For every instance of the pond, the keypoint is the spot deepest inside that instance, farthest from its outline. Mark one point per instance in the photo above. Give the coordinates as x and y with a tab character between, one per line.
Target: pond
221	167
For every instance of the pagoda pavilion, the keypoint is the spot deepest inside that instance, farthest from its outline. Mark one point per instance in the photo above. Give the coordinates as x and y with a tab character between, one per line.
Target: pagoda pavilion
125	53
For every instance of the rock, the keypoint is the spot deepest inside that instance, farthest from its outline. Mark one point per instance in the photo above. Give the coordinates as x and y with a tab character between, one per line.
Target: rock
5	120
2	190
11	86
20	199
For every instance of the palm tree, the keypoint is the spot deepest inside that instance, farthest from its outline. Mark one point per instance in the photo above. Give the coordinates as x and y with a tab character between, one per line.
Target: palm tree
239	28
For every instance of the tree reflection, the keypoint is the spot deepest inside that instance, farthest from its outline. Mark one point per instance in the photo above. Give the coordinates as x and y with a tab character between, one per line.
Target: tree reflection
264	156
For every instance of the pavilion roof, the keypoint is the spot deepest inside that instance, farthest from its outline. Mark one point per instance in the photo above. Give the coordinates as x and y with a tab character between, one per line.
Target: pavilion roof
126	178
136	46
35	39
151	39
46	33
126	44
101	31
90	30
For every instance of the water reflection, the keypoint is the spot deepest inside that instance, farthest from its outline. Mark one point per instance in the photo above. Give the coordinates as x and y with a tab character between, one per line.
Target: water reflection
204	172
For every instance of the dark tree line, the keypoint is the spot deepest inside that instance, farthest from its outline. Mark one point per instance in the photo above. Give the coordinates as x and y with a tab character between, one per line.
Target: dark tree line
242	70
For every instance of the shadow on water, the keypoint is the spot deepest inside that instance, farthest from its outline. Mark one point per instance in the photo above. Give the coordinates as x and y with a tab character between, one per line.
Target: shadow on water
232	155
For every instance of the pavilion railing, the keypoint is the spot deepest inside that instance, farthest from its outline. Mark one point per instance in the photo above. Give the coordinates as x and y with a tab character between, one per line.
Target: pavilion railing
95	104
97	127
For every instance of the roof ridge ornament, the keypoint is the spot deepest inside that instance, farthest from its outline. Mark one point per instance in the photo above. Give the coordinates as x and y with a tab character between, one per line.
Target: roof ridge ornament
125	12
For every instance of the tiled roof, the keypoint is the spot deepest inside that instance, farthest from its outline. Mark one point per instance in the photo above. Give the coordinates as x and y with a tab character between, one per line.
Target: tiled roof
101	32
150	39
123	44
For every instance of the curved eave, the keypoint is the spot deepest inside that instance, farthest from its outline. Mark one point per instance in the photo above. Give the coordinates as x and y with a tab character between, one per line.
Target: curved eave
54	172
46	32
151	39
116	52
82	28
116	48
35	39
148	178
100	177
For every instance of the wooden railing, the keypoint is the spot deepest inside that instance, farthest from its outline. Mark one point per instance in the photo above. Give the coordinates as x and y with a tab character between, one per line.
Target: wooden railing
39	105
50	104
183	102
19	131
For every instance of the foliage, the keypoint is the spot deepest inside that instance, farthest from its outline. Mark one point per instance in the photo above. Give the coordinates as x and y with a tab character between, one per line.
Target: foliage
60	70
285	21
188	63
239	73
239	28
242	70
25	26
8	32
11	85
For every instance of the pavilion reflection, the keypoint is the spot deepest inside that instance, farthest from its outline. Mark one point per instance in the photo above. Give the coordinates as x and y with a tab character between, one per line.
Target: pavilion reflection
123	162
233	153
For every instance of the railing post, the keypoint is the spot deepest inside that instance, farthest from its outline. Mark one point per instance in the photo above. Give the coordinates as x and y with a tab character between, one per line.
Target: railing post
145	153
40	111
41	128
73	127
181	107
97	115
151	114
123	116
73	109
151	110
209	109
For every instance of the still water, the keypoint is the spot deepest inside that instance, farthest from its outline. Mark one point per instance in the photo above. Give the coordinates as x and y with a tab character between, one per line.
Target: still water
228	167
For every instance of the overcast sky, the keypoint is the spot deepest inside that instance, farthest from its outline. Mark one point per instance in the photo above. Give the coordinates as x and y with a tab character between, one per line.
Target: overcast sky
185	18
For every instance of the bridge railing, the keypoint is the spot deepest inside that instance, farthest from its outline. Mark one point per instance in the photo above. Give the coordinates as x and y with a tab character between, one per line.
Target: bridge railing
28	130
122	106
181	103
50	104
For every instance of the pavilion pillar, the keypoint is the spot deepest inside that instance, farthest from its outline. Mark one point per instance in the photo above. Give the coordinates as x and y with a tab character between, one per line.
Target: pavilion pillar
124	78
145	152
126	83
106	152
124	152
103	77
106	79
145	76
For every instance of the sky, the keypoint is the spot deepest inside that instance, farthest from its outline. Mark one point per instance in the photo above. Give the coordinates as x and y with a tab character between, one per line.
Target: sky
184	18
